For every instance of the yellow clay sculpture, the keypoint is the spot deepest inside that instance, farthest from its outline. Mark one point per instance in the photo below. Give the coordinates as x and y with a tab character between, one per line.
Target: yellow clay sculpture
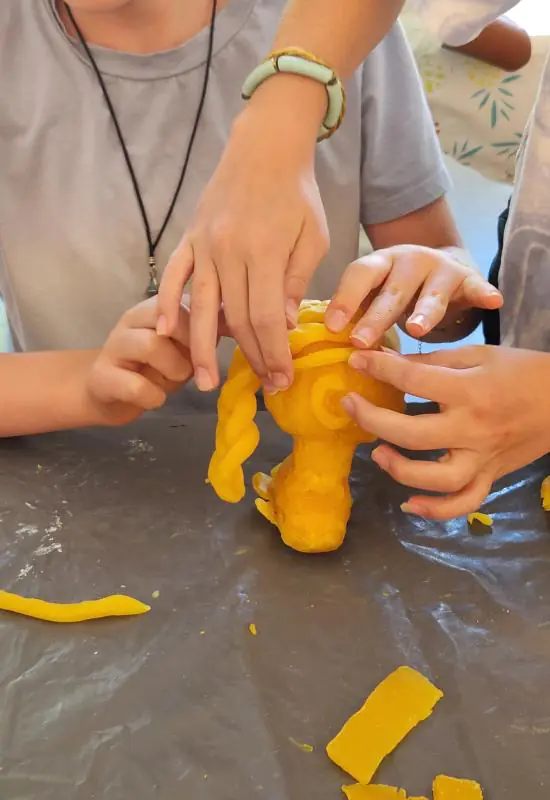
307	496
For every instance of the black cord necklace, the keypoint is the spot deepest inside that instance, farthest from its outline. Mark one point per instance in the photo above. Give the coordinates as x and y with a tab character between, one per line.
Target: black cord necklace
152	242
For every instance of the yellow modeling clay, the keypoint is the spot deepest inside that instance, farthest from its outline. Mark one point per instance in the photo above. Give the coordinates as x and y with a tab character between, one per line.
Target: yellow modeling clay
477	516
306	748
394	708
306	497
545	493
117	605
373	792
253	629
445	788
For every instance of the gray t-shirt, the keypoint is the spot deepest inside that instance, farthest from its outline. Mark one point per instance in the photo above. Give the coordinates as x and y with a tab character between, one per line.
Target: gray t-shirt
73	252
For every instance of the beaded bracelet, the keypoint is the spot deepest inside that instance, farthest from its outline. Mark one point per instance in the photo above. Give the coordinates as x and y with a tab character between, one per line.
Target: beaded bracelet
295	61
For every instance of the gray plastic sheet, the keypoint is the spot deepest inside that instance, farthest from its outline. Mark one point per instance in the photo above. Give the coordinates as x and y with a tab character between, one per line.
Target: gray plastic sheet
184	702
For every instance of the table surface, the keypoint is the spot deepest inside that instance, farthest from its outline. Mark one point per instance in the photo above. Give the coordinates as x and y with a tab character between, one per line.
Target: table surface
183	702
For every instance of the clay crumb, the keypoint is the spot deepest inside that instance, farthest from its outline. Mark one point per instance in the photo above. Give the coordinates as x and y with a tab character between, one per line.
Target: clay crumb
483	519
305	748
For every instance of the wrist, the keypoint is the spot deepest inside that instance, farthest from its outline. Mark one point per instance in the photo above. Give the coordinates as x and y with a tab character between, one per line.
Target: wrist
287	105
82	408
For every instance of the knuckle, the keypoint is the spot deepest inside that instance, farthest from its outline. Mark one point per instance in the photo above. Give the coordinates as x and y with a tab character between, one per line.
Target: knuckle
266	320
455	481
135	388
222	236
238	329
150	343
296	284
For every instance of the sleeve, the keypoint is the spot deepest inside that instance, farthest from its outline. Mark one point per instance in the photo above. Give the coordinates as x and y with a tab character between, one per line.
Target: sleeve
402	167
457	22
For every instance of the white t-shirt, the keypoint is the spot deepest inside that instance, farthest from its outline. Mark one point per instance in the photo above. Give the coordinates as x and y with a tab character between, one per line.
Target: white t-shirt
525	270
73	251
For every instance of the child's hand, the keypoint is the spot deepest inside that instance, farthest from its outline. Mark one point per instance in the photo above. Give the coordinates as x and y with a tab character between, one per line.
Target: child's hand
416	285
137	368
493	420
257	236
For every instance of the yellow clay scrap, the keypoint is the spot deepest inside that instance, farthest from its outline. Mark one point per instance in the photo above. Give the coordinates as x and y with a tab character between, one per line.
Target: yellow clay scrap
404	699
545	493
446	788
116	605
306	497
253	629
373	792
477	516
303	746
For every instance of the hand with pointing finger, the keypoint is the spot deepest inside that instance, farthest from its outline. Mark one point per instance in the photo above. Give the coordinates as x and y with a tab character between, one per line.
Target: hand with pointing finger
429	291
256	238
493	419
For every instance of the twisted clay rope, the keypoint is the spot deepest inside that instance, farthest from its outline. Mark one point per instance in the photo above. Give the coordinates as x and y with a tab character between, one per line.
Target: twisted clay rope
236	434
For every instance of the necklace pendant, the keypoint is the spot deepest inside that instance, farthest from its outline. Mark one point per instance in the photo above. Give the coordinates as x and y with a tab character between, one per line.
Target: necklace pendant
153	285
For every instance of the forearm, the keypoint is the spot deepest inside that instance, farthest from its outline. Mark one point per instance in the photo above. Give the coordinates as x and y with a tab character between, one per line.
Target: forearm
501	44
43	392
340	33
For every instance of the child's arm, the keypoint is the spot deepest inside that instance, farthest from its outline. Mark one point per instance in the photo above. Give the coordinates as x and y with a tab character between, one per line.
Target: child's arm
419	270
132	373
42	392
501	44
263	197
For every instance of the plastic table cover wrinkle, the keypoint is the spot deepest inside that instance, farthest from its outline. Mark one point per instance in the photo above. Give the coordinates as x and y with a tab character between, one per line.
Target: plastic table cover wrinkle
184	702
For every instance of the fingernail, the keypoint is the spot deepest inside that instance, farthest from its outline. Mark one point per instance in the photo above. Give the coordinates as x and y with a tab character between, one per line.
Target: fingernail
336	320
279	380
269	389
381	458
366	336
162	325
419	320
291	311
203	380
347	404
358	360
411	508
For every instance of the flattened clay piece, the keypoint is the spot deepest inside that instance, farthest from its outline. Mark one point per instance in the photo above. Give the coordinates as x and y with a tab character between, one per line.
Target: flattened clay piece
545	493
373	792
117	605
446	788
394	708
